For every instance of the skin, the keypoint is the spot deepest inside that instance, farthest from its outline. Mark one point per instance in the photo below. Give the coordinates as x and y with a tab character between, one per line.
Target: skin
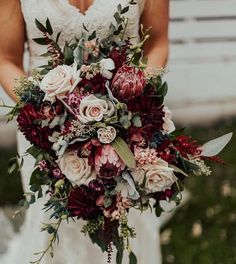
12	37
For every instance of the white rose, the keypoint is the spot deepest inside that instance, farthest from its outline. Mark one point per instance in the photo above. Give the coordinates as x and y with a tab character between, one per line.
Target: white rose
77	170
138	175
168	125
106	135
94	109
159	176
59	81
106	66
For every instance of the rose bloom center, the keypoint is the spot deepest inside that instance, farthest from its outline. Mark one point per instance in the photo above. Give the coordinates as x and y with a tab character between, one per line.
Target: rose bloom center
76	166
95	111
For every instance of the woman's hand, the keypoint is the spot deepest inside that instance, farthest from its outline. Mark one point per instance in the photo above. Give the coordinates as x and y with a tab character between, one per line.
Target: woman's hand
156	16
12	38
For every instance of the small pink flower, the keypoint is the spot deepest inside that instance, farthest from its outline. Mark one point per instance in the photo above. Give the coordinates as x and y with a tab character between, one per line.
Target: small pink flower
42	165
73	99
145	155
57	173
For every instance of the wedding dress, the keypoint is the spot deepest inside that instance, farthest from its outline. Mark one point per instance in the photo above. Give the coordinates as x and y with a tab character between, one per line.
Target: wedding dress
74	247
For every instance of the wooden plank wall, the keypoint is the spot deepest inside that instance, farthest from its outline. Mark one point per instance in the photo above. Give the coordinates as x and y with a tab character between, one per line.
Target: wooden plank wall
202	65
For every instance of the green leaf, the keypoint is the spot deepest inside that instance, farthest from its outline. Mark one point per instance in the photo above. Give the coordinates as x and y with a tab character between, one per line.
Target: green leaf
68	55
117	32
98	238
158	210
92	36
40	192
12	165
137	121
164	89
38	178
32	199
49	27
40	26
125	122
34	151
132	258
125	10
118	18
176	169
119	7
124	152
85	28
58	36
21	202
107	202
34	187
177	132
119	256
41	41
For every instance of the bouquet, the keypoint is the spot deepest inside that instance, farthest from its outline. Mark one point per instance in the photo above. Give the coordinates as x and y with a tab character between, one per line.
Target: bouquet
102	139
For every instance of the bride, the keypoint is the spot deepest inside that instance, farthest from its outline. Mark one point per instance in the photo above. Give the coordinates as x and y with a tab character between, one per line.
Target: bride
17	26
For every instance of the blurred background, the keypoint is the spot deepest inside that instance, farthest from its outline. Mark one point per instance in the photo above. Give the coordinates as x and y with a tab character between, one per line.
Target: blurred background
202	95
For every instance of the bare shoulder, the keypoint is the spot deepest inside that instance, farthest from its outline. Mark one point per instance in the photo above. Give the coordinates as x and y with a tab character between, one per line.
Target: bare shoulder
12	29
156	14
154	7
10	9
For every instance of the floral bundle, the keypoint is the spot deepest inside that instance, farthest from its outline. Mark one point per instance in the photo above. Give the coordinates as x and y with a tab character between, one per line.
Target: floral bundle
101	136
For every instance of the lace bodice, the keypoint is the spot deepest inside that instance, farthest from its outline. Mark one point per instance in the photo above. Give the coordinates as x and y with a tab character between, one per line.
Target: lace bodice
68	19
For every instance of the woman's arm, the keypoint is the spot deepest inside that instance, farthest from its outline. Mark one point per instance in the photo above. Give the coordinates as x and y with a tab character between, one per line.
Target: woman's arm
156	16
12	38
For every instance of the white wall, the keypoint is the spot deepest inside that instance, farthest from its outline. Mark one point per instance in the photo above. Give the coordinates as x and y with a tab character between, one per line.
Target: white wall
202	64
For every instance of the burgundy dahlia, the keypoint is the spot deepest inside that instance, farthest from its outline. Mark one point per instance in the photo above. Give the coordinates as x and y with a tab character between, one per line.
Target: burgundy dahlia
95	85
167	194
31	129
119	56
82	200
150	111
128	83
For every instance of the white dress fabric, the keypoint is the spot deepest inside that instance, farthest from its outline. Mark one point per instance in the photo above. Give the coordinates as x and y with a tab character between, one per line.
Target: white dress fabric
74	247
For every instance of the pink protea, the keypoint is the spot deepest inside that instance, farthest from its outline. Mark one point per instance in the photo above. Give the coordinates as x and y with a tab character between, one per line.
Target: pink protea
107	163
128	83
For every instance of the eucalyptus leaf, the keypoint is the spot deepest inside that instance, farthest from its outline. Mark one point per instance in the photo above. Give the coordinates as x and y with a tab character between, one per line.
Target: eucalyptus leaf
125	122
137	121
124	152
118	18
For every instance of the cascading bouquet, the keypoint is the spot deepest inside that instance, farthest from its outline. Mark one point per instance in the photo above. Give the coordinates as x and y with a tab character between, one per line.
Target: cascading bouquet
101	136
